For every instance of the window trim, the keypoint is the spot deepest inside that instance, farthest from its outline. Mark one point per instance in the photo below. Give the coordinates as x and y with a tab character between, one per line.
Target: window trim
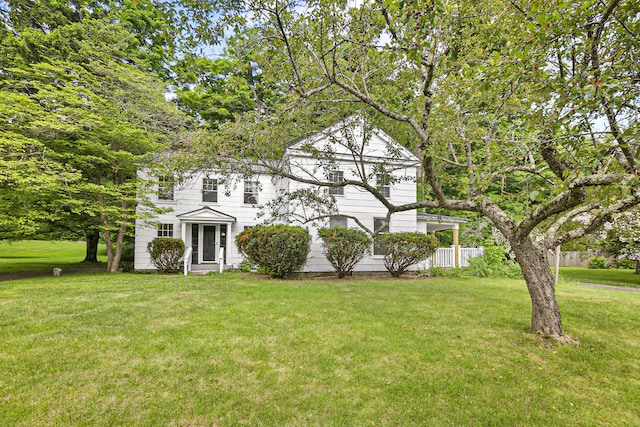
254	190
383	187
213	191
338	218
166	188
164	230
336	176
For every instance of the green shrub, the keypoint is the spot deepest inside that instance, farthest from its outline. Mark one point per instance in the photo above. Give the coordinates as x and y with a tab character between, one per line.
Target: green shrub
626	263
344	247
493	264
495	255
402	250
597	262
478	267
166	253
443	272
278	249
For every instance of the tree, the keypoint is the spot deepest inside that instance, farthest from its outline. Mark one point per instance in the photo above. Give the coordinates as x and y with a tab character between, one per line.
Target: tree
83	107
213	91
621	237
518	111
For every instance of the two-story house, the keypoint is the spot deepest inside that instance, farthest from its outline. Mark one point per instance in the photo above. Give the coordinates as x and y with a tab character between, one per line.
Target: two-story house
208	217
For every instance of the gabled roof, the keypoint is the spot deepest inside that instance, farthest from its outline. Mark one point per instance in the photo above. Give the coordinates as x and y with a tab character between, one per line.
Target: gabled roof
381	145
206	214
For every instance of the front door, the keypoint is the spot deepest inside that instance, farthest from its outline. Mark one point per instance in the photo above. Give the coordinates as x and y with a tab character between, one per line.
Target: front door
208	243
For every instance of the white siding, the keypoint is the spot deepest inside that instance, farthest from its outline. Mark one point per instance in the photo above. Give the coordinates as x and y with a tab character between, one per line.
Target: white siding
188	198
359	203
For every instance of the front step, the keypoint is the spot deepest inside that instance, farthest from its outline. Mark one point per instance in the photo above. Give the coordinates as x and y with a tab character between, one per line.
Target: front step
205	268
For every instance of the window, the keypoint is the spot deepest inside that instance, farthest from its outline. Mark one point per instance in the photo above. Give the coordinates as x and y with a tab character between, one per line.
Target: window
209	190
336	176
378	248
165	230
338	221
165	188
382	184
250	193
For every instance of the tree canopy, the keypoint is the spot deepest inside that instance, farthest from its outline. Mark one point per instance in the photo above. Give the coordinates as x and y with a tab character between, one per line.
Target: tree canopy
82	110
519	111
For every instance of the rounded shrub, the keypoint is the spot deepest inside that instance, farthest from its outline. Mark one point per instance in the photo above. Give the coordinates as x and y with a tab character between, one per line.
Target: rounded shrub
278	249
344	247
166	253
597	262
402	250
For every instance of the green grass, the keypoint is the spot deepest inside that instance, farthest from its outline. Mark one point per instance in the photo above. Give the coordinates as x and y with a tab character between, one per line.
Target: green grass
41	255
609	276
151	350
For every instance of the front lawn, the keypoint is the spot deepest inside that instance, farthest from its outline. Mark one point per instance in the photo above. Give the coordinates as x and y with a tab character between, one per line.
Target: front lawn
150	350
609	276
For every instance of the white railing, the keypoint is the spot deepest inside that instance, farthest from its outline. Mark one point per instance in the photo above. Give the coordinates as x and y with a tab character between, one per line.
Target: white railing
446	257
221	260
186	260
467	253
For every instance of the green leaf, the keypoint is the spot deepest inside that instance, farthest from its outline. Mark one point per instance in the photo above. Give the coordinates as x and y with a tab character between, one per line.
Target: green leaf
590	92
534	195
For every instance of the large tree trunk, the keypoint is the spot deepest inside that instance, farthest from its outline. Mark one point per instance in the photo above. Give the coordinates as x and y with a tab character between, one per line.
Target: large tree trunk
114	265
637	267
545	313
92	238
109	244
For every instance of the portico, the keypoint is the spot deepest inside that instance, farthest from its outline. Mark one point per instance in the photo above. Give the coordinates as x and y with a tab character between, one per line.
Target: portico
207	231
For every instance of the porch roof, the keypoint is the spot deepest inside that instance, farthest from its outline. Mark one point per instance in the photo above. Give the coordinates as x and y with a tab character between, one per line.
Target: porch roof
206	215
437	222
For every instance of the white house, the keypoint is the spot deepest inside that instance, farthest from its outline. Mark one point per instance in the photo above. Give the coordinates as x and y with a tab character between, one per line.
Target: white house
208	217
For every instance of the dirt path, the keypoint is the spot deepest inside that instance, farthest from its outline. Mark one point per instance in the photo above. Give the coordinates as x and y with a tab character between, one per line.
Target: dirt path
617	288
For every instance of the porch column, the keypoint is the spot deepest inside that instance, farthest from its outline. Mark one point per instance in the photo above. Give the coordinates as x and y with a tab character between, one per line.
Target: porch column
183	231
456	245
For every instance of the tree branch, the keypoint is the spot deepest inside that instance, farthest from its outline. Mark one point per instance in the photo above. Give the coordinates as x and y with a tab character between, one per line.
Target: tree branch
597	221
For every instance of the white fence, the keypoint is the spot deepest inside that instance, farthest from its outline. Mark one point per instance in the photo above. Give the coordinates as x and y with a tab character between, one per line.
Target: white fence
446	257
467	253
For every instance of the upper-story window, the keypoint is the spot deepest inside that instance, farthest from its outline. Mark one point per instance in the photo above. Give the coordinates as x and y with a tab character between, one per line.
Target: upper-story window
165	230
380	226
209	190
165	188
250	193
336	176
338	221
382	184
